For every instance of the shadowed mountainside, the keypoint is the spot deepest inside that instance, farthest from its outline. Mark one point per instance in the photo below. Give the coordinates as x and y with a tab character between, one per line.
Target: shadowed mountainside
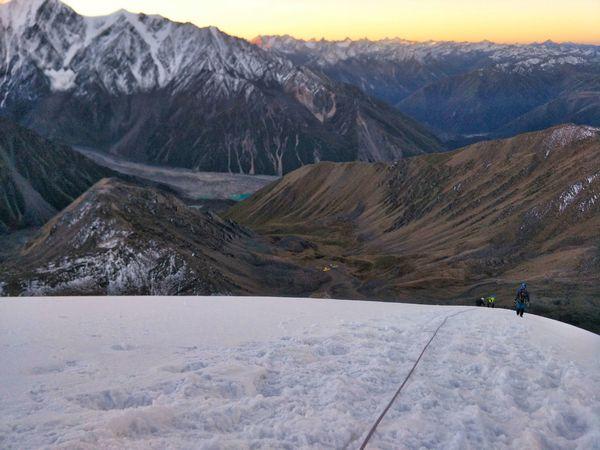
38	178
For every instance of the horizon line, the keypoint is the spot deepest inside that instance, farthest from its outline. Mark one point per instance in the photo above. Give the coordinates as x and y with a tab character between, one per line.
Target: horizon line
415	41
251	38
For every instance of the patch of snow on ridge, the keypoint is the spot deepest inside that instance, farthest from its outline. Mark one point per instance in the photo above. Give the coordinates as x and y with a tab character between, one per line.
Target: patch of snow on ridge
61	80
122	269
39	289
574	191
567	135
569	196
593	178
587	204
593	199
290	373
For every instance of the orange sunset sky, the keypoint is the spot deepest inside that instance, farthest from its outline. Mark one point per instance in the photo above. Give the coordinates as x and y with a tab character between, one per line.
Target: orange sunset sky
463	20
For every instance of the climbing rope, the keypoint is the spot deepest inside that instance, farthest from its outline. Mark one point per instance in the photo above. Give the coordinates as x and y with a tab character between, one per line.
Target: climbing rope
381	416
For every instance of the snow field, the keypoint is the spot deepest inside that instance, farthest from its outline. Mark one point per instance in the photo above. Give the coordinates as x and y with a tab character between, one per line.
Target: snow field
289	373
500	384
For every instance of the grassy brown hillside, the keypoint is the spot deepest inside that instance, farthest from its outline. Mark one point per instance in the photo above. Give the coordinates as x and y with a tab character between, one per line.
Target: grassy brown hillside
451	227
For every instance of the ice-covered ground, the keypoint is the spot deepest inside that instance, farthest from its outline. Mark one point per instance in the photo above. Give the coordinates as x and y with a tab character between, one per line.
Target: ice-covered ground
286	373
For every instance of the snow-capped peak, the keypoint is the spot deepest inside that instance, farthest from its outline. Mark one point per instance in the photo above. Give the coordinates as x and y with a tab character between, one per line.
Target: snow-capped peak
124	52
511	56
20	13
24	5
48	46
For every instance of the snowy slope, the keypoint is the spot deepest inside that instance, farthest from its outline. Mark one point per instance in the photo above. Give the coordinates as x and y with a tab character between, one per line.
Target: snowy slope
124	52
289	373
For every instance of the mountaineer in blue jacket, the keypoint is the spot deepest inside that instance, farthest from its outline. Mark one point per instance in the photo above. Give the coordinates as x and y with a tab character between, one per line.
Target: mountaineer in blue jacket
522	299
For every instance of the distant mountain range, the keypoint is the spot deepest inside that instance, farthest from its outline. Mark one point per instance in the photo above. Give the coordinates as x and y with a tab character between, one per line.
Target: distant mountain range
452	226
172	94
465	91
168	93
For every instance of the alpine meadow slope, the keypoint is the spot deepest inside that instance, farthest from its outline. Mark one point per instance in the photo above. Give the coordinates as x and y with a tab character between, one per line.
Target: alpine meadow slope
452	227
173	94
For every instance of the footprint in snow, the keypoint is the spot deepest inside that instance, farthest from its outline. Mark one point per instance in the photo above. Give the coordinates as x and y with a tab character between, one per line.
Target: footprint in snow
53	368
122	348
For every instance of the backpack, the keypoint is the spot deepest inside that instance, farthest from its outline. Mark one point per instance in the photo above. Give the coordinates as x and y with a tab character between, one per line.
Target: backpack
522	296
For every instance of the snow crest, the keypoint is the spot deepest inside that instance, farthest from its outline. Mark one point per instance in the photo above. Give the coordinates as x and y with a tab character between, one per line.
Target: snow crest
193	372
121	269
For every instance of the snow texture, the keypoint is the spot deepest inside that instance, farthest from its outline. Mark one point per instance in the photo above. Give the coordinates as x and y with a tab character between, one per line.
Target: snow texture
61	80
575	191
569	196
289	373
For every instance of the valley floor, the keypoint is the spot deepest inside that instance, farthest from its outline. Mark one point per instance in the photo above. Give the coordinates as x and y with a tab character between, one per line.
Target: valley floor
189	184
290	373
